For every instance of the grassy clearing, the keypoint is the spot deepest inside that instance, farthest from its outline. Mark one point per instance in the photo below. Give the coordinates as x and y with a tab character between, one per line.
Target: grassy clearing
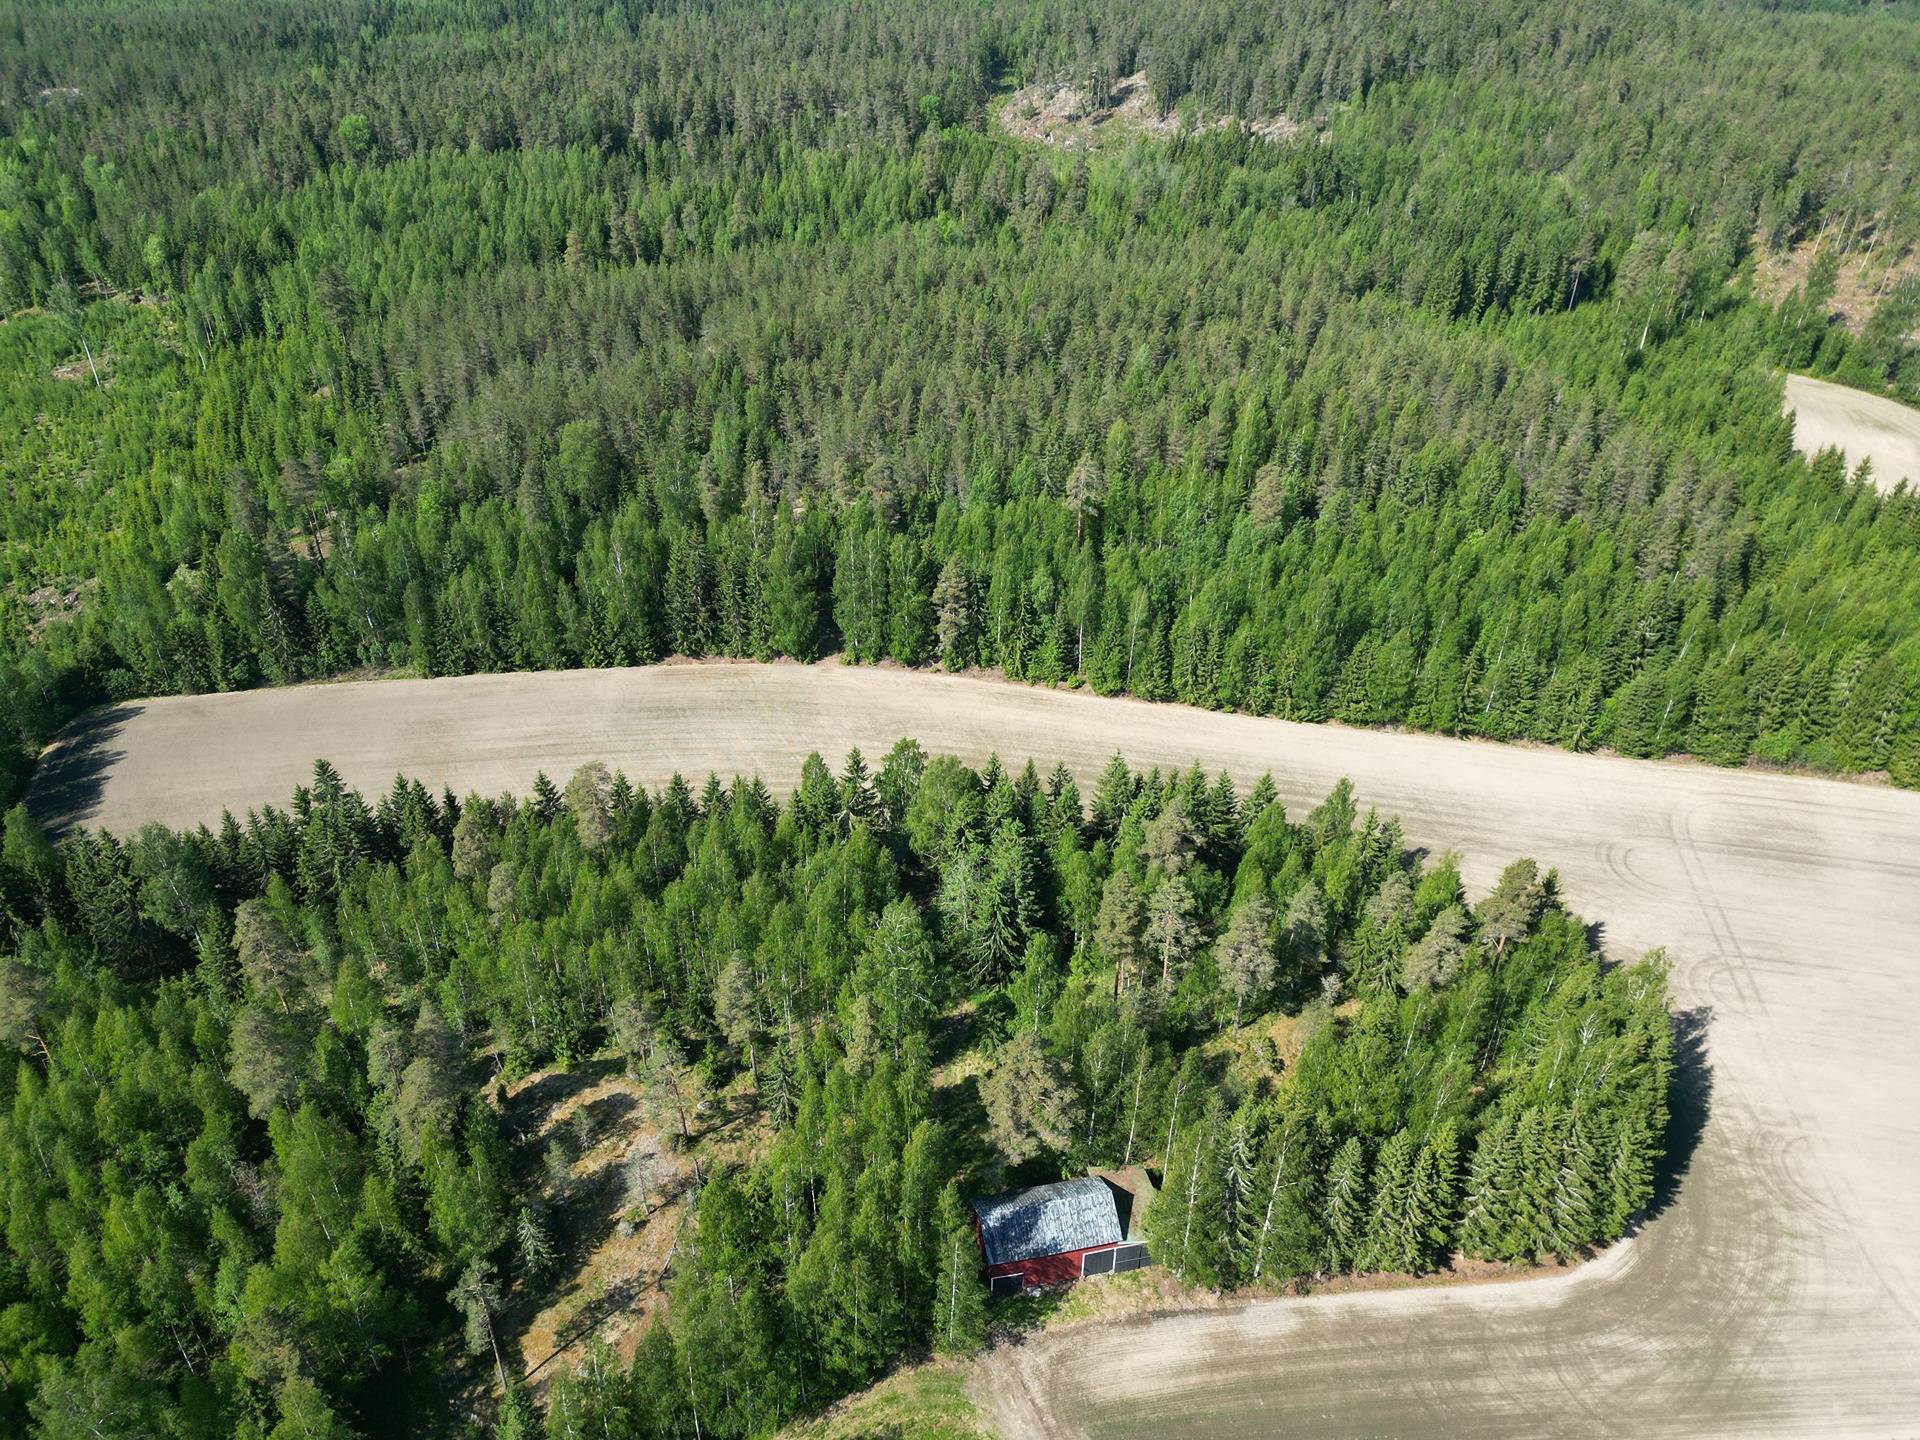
928	1402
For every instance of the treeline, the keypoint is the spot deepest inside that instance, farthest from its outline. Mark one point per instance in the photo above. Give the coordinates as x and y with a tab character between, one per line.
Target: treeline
1453	411
259	1181
1381	519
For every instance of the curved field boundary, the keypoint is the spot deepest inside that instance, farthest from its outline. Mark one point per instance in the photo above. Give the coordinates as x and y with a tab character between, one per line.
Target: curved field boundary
1859	425
1775	1293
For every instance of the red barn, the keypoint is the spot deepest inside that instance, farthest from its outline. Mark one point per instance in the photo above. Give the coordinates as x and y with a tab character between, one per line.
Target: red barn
1052	1234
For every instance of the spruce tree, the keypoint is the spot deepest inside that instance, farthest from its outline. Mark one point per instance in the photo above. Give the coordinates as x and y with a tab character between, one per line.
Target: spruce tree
1344	1205
1436	1190
1239	1167
1537	1160
1578	1196
1629	1171
1279	1233
1486	1206
1391	1240
959	1320
1185	1230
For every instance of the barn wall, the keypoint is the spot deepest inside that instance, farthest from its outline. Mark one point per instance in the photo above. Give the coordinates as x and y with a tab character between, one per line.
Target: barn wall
1058	1269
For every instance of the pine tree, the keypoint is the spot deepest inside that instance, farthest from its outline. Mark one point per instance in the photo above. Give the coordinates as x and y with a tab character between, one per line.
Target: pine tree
477	1298
1172	932
25	994
1508	913
587	800
1435	958
1246	953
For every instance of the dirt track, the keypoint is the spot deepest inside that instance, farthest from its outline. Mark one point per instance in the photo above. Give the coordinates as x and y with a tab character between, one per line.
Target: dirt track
1777	1293
1860	426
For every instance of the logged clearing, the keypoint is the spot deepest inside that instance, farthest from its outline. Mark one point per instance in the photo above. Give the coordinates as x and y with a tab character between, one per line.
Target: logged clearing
611	1244
1774	1293
1860	426
1066	115
615	1197
1862	279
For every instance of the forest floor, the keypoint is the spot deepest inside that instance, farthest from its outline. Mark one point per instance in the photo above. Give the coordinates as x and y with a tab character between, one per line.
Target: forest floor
614	1247
611	1248
1859	425
1771	1292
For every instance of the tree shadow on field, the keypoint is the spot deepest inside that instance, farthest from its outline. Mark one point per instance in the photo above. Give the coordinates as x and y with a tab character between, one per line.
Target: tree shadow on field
72	775
1687	1107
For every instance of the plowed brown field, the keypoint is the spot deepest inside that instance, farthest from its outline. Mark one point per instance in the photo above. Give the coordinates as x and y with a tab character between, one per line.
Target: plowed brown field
1777	1292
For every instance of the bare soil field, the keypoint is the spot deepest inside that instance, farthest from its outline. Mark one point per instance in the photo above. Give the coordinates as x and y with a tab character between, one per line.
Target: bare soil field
1776	1291
1860	426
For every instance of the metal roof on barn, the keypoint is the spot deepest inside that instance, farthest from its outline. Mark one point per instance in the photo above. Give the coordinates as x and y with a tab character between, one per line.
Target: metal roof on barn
1047	1220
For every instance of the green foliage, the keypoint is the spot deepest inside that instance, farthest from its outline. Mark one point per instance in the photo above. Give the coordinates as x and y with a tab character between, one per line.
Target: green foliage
1443	413
250	1155
959	1300
332	340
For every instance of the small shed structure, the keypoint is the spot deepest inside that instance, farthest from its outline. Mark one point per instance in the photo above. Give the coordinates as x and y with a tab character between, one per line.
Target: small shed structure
1053	1234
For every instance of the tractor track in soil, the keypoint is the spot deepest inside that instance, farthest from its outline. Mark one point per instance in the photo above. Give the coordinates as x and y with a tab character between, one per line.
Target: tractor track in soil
1772	1292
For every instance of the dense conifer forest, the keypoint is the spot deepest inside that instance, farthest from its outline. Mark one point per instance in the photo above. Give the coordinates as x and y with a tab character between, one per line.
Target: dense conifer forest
260	1181
1395	363
471	336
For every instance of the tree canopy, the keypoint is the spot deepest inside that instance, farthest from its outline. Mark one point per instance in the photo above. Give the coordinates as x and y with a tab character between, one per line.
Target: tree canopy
338	340
259	1179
